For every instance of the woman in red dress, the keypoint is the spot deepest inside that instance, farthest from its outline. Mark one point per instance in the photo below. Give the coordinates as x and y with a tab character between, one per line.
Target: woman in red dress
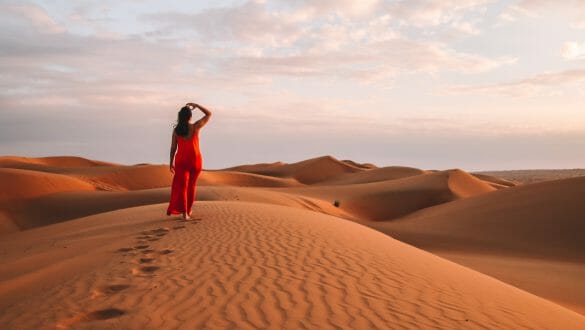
186	162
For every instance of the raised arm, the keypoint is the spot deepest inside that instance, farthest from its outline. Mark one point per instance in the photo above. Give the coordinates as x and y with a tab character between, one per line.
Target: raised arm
173	151
201	122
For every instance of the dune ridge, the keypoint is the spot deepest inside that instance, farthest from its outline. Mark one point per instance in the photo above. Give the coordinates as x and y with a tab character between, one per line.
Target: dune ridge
308	171
373	175
251	265
56	161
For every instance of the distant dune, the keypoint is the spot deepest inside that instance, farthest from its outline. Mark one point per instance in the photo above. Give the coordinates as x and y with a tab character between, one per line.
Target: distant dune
87	244
308	171
534	176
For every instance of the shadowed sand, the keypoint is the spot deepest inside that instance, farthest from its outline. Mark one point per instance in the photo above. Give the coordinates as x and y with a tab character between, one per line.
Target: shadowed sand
273	250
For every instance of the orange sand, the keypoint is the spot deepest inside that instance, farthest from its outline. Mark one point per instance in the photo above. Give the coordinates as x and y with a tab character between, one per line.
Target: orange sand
86	244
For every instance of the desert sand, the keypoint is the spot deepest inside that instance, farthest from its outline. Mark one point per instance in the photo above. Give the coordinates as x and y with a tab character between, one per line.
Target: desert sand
86	244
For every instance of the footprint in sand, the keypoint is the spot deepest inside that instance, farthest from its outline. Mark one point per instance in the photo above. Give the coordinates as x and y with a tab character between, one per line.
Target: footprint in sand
192	220
147	251
109	290
146	260
98	315
166	251
141	247
125	249
104	314
115	288
145	270
179	227
157	231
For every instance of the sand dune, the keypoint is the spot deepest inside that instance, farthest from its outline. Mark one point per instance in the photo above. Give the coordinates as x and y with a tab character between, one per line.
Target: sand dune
548	216
54	208
43	191
530	236
19	184
309	171
535	176
239	179
386	200
60	161
247	265
102	175
373	175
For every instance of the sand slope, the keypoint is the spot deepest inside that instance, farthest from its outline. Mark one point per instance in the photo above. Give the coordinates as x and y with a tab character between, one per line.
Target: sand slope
548	217
385	200
247	265
19	184
239	179
530	236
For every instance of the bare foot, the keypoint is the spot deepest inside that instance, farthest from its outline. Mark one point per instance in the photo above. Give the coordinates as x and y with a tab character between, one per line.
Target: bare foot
186	216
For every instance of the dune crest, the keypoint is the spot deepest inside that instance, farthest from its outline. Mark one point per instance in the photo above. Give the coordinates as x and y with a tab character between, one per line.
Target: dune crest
373	175
55	161
308	171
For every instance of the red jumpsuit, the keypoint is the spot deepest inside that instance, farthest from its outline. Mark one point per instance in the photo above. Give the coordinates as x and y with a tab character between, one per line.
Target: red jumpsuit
188	165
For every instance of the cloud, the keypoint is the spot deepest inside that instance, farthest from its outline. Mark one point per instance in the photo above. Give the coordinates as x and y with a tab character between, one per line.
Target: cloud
573	50
351	40
574	10
36	15
524	87
426	13
242	59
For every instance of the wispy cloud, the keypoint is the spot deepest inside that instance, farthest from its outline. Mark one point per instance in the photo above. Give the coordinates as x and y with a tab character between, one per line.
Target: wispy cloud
421	13
523	87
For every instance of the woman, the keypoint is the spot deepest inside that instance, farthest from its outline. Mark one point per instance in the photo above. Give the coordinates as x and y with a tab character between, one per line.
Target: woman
186	162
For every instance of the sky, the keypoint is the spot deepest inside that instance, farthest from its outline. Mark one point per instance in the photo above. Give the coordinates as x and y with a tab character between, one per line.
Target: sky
436	84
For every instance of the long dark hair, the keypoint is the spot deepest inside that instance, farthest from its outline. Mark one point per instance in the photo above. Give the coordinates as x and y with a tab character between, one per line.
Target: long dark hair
182	126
